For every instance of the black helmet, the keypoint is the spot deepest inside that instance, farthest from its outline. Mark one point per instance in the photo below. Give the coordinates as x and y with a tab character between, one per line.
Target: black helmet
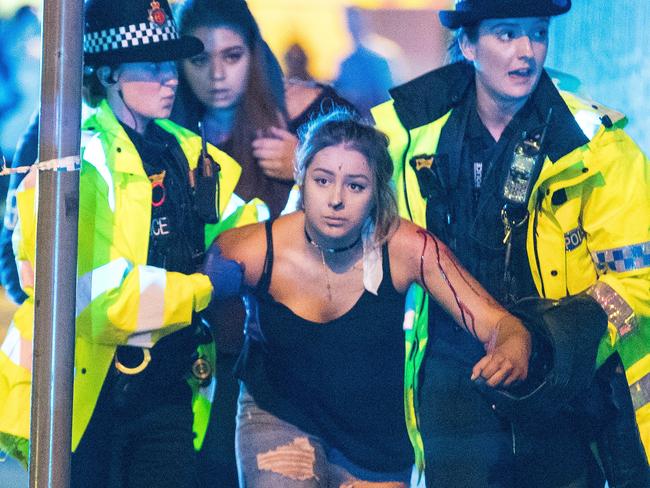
567	333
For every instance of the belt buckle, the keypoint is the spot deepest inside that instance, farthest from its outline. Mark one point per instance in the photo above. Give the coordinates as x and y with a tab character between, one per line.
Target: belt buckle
146	359
202	370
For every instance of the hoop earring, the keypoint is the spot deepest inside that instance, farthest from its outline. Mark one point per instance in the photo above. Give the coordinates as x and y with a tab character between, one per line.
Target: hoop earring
107	77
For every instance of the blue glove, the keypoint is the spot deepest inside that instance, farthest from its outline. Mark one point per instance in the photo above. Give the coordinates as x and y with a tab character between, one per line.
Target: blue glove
226	275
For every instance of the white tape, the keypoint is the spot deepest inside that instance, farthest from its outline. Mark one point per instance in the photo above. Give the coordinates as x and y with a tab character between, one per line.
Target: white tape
69	163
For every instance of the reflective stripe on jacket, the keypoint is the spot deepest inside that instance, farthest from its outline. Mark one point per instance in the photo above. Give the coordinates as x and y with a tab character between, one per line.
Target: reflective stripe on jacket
120	300
589	230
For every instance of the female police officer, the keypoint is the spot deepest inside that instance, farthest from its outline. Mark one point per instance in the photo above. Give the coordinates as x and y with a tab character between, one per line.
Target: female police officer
489	156
144	211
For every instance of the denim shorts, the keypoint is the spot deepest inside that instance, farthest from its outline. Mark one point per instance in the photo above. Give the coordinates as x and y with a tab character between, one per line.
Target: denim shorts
275	453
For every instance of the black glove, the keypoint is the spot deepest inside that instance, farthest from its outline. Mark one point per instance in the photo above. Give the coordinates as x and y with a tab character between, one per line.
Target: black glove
226	275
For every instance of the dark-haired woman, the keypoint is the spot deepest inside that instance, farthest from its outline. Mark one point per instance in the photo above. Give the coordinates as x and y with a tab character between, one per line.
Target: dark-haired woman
322	376
236	90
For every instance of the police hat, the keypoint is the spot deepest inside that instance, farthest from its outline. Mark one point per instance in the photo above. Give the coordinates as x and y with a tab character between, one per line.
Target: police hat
468	12
130	31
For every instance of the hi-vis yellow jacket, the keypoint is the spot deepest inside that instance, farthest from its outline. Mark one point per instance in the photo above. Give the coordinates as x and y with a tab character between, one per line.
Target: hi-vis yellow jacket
589	225
120	300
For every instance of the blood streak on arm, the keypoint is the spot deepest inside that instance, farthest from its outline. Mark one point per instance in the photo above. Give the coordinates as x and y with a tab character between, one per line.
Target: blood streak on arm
465	312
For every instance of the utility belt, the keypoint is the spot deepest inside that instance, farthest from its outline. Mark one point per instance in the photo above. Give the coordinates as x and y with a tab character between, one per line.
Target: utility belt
140	377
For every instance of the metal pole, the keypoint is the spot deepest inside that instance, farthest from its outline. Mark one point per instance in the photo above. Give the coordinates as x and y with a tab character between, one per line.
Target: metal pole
56	245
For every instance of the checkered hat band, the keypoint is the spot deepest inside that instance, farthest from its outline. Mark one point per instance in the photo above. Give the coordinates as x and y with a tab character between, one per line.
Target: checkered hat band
144	33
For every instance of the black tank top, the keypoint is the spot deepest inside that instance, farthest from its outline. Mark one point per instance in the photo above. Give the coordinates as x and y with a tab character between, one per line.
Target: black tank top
342	380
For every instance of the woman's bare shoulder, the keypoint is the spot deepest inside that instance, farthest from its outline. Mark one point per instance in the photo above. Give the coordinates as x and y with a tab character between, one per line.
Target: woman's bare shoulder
406	247
247	246
406	236
240	241
249	242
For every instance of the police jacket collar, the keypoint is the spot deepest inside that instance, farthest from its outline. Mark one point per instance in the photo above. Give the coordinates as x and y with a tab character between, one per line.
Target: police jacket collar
432	95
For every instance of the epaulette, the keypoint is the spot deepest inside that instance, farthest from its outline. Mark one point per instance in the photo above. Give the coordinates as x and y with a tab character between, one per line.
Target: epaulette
607	116
591	115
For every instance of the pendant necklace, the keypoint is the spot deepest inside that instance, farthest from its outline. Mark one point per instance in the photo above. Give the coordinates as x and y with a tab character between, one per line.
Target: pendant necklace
327	278
331	250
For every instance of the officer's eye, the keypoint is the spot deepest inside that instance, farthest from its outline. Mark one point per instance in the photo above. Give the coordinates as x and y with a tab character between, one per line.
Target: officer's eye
540	35
506	34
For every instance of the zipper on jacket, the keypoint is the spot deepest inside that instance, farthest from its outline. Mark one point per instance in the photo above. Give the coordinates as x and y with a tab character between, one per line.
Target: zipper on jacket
414	350
406	150
538	205
416	391
566	272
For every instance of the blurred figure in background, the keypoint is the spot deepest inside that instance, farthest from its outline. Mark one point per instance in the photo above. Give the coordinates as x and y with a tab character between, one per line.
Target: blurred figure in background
297	63
25	155
364	76
20	50
9	96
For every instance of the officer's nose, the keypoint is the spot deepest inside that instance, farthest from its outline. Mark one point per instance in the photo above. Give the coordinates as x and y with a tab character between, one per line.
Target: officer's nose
525	47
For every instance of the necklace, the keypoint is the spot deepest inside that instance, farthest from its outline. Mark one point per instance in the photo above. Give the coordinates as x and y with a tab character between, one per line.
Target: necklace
327	277
332	250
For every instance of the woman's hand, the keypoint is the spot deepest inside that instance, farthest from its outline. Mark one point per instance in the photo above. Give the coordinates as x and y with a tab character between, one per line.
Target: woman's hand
507	353
275	150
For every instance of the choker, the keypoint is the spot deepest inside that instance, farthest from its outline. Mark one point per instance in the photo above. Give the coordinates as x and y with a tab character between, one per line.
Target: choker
332	250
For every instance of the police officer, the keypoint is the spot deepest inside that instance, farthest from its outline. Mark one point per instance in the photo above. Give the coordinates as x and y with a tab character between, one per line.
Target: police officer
150	191
490	157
